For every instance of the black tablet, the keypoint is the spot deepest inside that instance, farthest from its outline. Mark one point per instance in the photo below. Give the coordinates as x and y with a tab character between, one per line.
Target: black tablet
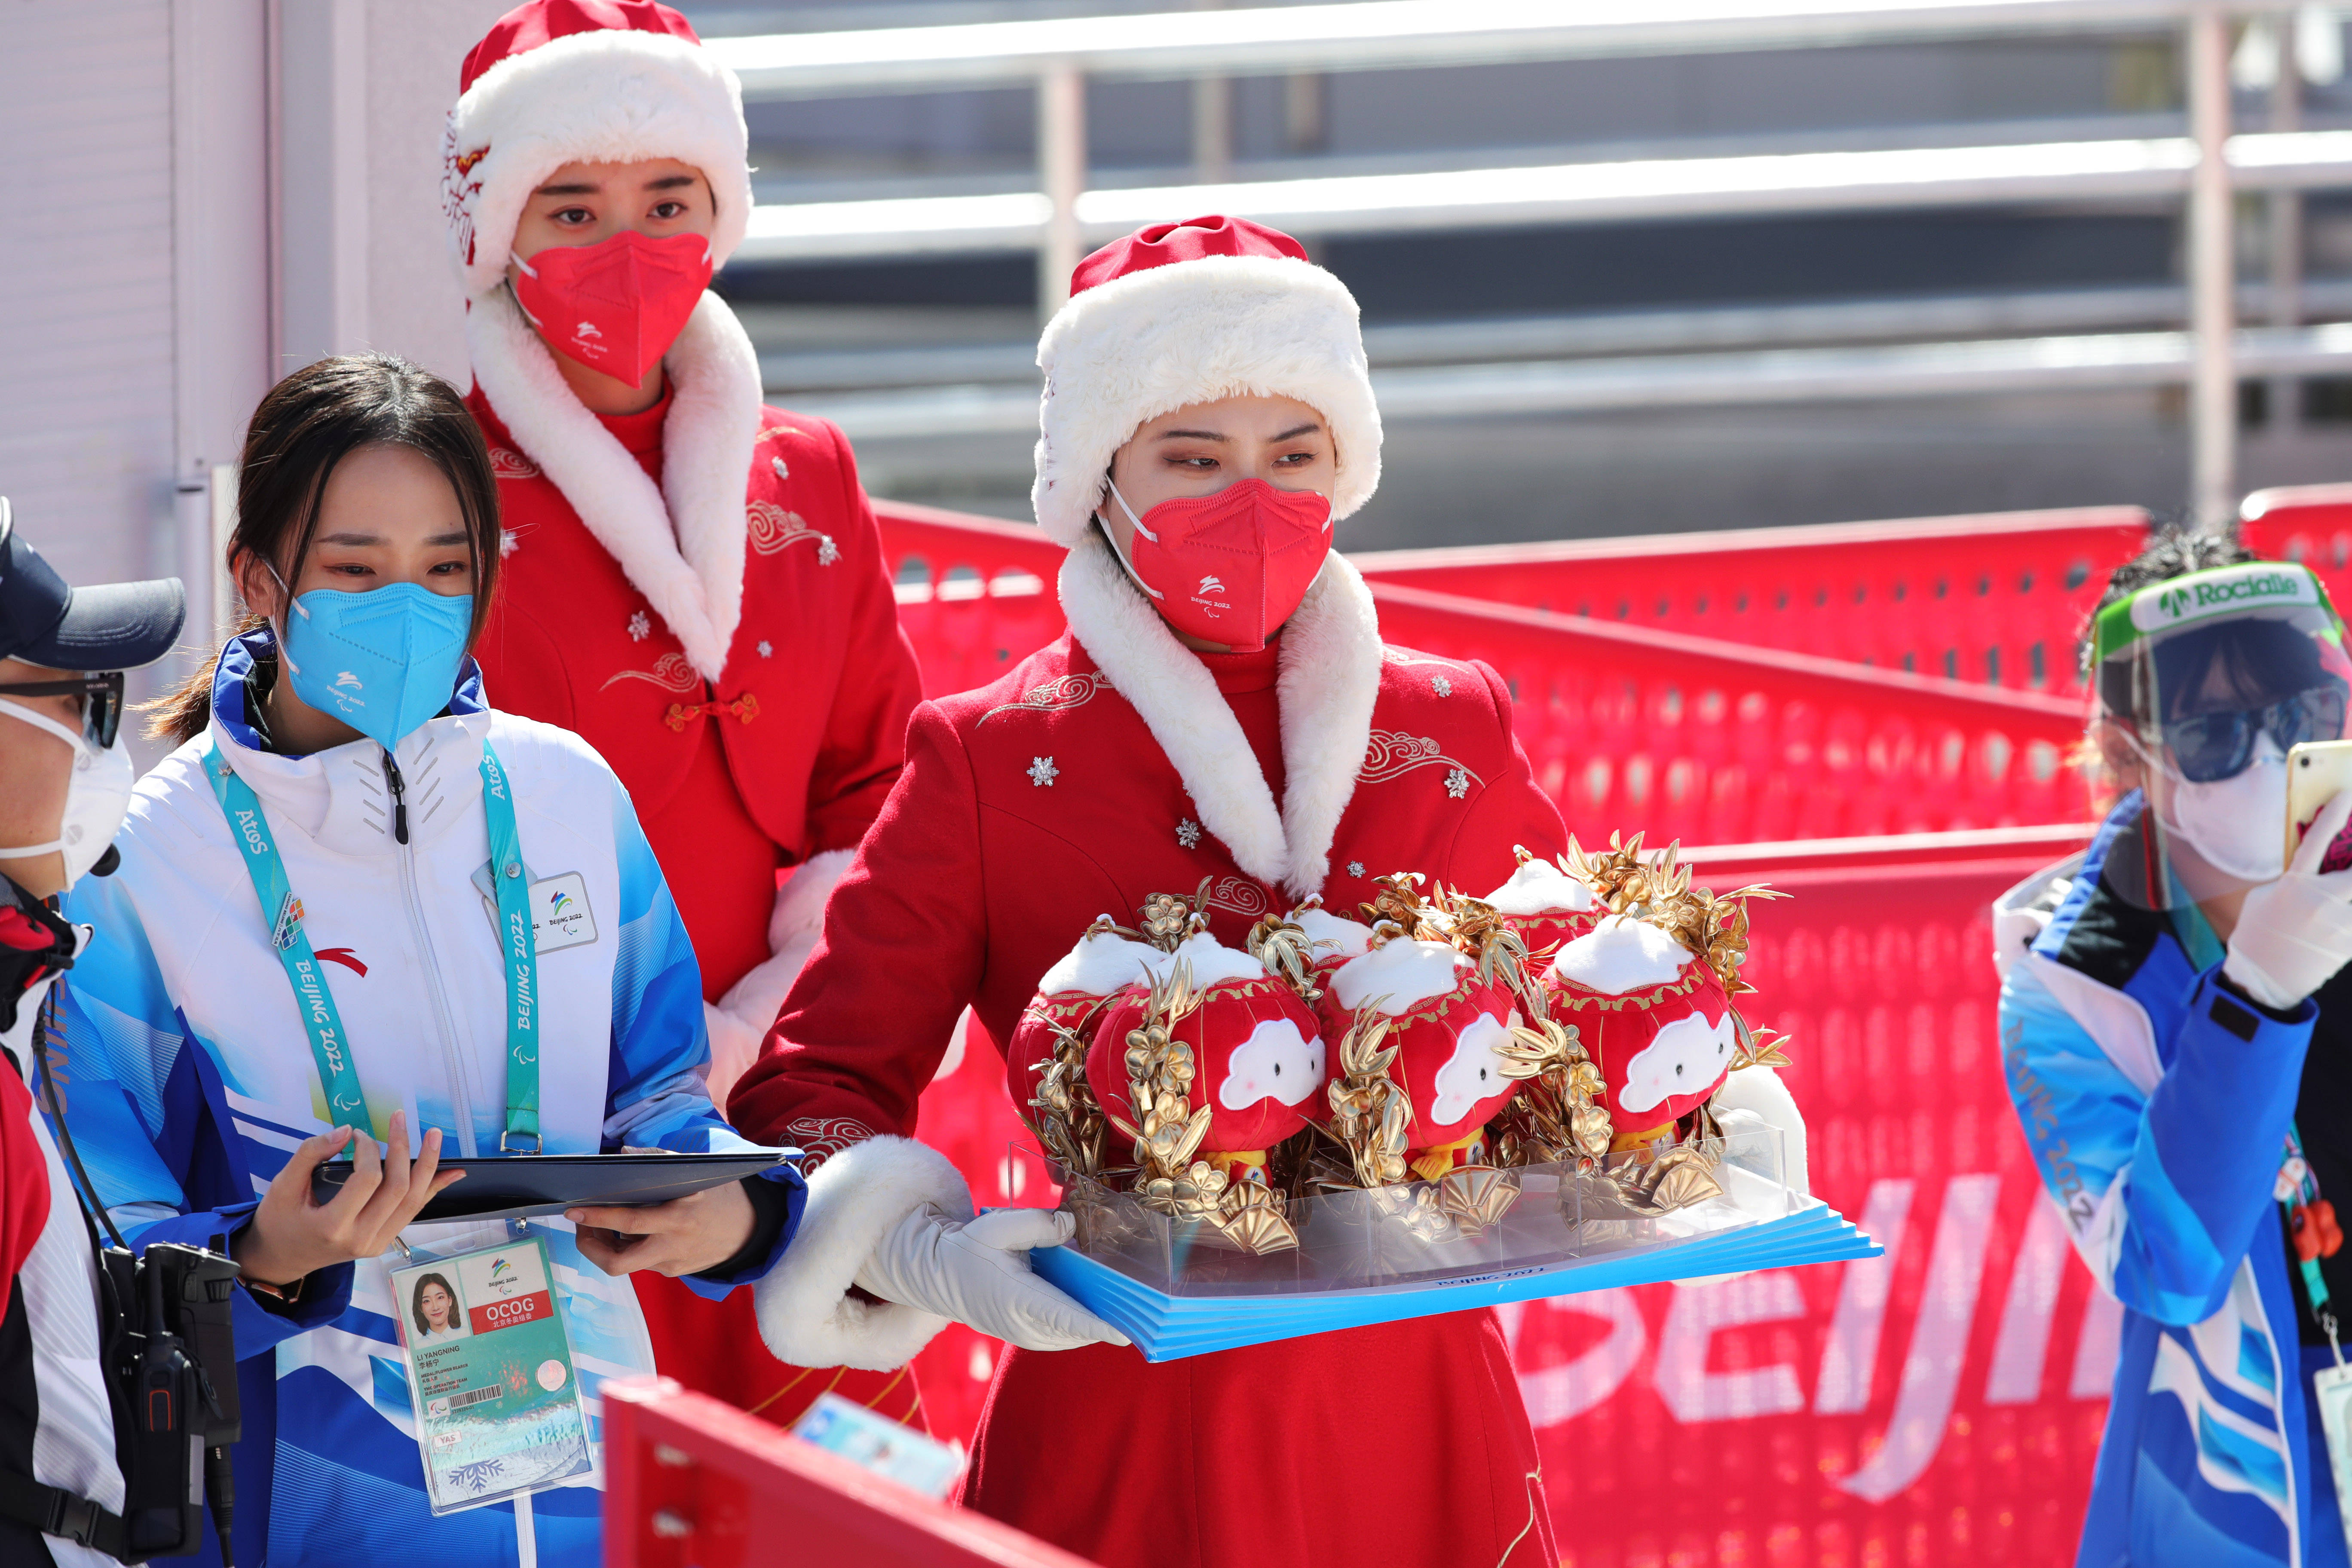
501	1186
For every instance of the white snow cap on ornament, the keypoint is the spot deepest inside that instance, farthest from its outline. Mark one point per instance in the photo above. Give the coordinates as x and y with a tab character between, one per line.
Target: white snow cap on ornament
1347	938
1102	965
1620	954
1540	888
1208	959
1400	973
1686	1056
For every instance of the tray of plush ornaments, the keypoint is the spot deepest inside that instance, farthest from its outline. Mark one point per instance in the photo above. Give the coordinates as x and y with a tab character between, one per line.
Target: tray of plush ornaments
1449	1103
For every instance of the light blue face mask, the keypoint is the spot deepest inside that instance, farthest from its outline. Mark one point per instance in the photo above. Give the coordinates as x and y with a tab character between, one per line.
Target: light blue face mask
383	661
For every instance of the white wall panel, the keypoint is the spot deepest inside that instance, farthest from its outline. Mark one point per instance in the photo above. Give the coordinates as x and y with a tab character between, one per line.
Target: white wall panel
86	282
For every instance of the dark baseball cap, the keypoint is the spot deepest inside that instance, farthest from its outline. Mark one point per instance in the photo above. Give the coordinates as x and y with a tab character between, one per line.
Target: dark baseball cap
46	621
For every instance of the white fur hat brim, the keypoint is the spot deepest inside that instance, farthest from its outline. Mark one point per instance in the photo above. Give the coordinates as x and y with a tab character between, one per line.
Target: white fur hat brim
1131	350
614	96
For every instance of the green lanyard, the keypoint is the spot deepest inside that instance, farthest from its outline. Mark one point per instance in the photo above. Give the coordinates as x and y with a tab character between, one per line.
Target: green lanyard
2306	1190
329	1046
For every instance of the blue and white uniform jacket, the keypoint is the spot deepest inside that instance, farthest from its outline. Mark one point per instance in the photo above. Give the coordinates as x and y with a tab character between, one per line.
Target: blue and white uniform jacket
190	1077
2157	1105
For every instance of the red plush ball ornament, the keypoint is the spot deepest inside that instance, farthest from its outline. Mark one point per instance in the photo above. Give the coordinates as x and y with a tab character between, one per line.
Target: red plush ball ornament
1447	1026
1258	1058
1335	939
1071	994
1653	1017
1544	904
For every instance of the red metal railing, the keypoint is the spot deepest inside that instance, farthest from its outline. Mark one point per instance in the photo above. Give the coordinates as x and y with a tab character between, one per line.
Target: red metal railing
1627	726
694	1483
1998	599
2310	524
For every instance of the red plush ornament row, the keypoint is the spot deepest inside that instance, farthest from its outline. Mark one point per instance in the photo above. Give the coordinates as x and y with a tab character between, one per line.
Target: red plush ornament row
1654	1019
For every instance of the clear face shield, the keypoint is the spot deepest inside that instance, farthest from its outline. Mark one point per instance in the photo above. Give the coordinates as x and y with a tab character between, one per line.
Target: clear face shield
2202	684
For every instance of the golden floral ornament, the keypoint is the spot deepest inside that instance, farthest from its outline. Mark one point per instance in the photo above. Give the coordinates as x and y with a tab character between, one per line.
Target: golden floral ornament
1370	1113
1283	947
1167	1132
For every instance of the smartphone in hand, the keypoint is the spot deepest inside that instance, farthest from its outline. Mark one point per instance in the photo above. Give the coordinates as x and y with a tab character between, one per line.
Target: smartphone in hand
2315	772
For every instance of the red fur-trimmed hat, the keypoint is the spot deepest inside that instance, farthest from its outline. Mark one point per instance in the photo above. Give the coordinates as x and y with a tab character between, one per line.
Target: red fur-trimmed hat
606	81
1188	312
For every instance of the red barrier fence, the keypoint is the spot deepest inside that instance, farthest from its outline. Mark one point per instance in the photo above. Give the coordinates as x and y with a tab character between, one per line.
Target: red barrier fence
1998	599
2310	524
691	1482
1687	737
1940	1404
1627	726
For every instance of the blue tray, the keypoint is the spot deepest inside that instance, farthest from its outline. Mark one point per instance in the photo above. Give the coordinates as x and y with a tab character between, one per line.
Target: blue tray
1171	1327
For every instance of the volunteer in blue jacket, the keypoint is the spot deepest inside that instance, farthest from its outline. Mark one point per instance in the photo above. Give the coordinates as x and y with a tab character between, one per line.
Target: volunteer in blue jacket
303	960
2178	1040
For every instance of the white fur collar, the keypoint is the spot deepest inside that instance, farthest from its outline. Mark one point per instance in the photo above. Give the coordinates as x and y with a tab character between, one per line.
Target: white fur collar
681	545
1330	674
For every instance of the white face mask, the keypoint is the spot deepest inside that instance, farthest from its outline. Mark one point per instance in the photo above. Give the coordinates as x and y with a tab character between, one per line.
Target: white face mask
2237	825
96	796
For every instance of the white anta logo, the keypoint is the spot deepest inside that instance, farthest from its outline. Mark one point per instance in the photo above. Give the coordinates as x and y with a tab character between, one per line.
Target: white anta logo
1473	1073
346	681
1688	1056
1277	1062
1212	586
586	330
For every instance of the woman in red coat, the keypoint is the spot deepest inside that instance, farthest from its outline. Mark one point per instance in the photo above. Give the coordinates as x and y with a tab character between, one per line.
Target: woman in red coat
692	581
1223	707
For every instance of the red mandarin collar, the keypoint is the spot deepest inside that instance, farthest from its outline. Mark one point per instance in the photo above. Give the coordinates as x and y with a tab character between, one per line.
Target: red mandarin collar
1239	672
641	434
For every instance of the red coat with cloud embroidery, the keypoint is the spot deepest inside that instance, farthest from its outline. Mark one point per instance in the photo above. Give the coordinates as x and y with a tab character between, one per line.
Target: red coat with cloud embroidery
698	591
791	750
1104	768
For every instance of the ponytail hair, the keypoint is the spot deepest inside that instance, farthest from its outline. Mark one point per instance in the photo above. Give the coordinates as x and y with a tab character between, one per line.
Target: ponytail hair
307	424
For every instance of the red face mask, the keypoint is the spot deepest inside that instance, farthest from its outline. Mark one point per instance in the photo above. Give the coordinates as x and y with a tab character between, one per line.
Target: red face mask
1231	567
617	305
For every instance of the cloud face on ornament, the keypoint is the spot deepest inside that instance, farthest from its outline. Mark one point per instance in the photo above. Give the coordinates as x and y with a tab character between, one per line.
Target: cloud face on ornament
1473	1073
1277	1062
1682	1057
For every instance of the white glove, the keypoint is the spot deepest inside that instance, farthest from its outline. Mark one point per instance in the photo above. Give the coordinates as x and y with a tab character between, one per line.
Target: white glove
977	1272
2295	931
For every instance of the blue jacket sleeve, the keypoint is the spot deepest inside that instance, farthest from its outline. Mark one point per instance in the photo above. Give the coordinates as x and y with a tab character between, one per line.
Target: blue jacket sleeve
660	1047
2164	1190
146	1117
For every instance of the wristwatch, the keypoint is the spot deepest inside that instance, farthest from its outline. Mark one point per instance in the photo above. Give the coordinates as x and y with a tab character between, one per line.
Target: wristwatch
287	1294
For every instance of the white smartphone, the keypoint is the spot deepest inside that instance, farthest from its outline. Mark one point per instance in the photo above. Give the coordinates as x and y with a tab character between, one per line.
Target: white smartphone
2315	772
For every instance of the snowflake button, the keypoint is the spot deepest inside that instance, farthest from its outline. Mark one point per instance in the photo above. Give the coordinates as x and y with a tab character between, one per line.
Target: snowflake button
827	552
1042	773
508	542
766	649
1188	834
1355	867
1441	686
641	626
1457	783
778	464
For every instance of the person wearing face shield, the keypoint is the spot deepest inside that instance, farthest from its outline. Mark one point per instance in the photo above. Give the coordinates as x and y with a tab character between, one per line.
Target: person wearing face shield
693	581
364	916
2176	1027
64	785
1223	707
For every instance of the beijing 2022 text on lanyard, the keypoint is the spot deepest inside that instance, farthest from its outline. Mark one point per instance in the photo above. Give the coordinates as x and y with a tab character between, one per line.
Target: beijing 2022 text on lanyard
331	1047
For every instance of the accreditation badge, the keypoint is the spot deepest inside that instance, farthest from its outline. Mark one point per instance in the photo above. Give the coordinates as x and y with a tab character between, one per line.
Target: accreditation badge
2332	1387
490	1375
